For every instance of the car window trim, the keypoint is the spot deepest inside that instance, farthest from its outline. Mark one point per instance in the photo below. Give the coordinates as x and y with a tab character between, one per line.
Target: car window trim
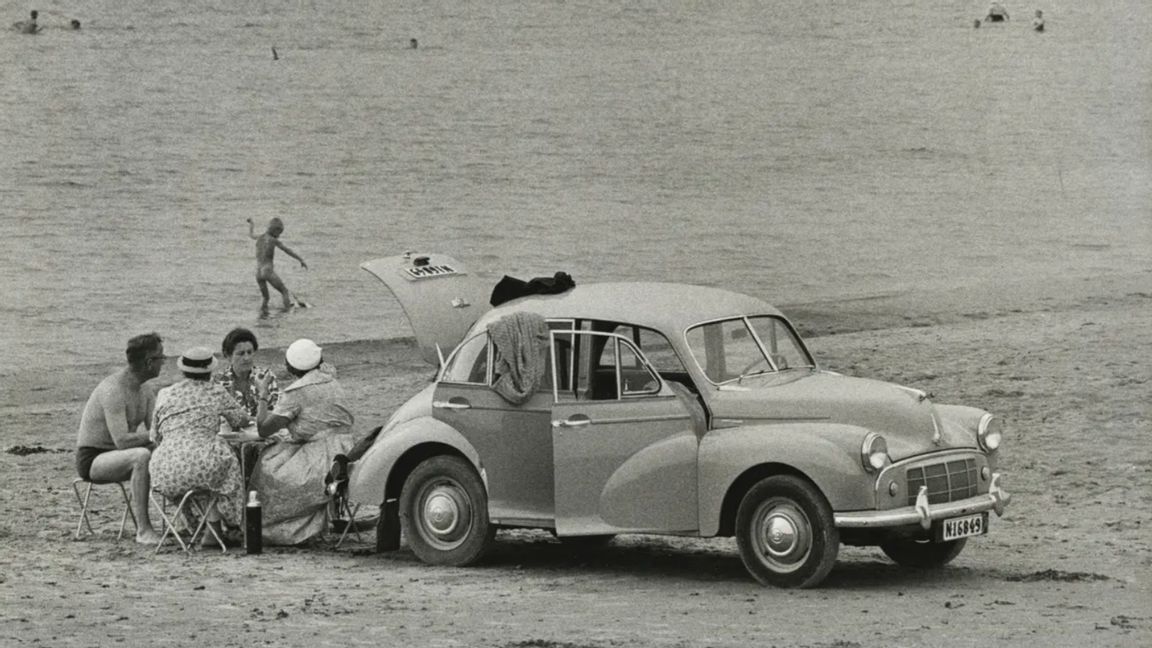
620	395
450	362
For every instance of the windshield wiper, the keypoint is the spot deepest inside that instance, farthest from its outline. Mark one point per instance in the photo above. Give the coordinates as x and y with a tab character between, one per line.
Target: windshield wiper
754	373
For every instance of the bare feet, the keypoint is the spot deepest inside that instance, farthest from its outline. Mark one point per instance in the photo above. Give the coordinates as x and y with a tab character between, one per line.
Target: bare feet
147	536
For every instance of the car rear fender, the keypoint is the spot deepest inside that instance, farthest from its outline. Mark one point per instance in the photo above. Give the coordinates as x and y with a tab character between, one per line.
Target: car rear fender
828	455
371	478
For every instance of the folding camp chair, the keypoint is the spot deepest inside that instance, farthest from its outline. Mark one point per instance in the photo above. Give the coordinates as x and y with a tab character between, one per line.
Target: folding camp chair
84	508
191	513
346	518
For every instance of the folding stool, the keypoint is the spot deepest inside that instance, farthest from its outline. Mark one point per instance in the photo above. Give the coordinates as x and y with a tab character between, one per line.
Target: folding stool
336	486
83	501
347	513
194	504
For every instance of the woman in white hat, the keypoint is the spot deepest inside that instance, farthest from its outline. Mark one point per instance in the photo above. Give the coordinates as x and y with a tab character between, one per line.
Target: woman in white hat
290	474
185	425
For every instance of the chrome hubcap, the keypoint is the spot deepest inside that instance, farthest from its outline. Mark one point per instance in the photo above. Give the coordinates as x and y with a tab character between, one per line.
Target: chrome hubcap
441	512
445	514
782	535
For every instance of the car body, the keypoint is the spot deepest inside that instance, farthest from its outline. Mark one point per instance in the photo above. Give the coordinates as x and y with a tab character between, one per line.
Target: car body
667	409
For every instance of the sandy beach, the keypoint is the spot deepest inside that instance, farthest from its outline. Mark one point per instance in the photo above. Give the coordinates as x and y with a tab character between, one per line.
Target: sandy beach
1065	363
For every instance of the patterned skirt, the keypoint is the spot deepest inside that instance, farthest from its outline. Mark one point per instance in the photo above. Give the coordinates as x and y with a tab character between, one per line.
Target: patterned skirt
197	459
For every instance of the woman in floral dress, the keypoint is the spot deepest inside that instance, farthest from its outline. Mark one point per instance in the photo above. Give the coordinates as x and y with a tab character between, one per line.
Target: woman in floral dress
242	374
185	425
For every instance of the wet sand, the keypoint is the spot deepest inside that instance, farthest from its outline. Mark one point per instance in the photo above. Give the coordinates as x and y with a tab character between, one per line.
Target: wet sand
1065	363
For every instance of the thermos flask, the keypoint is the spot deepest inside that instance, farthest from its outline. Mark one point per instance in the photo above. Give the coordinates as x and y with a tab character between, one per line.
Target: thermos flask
253	525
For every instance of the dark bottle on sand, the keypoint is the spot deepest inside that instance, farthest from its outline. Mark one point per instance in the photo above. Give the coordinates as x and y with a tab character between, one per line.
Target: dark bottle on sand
253	525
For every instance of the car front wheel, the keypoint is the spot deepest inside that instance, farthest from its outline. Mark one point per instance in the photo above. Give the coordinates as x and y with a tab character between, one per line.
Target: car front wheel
786	533
923	555
444	512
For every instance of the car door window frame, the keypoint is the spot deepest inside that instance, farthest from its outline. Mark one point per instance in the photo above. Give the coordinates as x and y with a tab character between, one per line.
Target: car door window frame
450	363
575	369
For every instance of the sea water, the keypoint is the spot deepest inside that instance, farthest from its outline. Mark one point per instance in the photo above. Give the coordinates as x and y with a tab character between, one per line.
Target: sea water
791	150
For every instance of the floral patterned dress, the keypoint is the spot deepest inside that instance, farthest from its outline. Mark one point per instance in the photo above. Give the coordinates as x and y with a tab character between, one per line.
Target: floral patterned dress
190	455
246	395
290	474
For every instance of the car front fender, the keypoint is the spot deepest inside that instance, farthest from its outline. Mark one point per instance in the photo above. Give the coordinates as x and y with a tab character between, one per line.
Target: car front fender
826	454
369	476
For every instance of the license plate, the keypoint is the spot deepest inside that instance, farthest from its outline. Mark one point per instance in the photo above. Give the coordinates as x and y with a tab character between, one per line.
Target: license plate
963	527
429	271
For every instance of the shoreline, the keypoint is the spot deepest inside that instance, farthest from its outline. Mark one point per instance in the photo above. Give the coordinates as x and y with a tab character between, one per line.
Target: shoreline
45	386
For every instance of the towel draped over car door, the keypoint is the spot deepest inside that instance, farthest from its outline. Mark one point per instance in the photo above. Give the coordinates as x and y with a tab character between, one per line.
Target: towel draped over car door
520	341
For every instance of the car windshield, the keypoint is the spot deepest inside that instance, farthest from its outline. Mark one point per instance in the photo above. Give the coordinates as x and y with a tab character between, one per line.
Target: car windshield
734	349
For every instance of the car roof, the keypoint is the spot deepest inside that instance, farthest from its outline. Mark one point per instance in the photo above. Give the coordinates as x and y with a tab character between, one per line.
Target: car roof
657	305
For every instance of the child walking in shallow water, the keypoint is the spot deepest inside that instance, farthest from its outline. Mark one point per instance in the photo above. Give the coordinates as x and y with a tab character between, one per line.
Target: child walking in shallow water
266	245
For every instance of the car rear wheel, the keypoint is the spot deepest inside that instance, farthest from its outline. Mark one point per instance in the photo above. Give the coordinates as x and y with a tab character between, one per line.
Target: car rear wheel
786	533
923	554
444	512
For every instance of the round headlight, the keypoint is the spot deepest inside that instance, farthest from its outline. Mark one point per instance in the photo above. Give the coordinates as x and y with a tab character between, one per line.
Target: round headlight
874	452
990	433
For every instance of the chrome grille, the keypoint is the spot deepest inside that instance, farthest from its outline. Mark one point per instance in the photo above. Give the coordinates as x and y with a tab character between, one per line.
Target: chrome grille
946	482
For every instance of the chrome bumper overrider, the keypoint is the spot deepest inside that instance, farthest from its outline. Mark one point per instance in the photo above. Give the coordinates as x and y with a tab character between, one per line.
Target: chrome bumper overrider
923	513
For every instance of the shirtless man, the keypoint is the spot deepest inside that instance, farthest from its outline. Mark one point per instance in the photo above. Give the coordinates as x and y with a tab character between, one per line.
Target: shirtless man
113	443
266	245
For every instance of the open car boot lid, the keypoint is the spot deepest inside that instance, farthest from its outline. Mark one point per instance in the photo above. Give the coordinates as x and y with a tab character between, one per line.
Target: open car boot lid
440	297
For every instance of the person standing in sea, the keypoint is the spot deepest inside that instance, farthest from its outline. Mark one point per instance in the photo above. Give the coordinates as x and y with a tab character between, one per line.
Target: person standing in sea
28	26
266	245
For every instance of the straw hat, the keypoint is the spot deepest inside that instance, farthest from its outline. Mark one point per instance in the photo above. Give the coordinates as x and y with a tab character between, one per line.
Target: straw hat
197	360
303	355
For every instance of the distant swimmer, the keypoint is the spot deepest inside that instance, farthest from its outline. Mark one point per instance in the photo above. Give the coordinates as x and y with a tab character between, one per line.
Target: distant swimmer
413	44
266	245
996	13
27	26
1038	21
74	24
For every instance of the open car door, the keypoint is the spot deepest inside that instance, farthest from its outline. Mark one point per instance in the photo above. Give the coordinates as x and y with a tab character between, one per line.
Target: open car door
440	297
624	446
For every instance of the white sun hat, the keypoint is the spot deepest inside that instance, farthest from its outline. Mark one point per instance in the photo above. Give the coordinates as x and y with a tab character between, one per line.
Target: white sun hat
197	360
303	355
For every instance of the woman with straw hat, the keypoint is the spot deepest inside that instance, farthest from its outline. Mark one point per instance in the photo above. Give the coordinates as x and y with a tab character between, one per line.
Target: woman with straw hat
185	425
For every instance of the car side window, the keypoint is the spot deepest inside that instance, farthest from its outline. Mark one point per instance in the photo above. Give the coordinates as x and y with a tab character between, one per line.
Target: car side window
605	367
635	376
655	347
470	364
561	356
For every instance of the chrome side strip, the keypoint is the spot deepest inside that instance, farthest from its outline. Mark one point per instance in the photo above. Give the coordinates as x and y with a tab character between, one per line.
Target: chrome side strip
641	419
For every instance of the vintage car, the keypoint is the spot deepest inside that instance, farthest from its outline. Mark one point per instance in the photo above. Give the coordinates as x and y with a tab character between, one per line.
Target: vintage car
665	409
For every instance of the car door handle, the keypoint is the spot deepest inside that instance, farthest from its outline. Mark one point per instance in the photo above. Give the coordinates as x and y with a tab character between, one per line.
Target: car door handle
453	404
576	420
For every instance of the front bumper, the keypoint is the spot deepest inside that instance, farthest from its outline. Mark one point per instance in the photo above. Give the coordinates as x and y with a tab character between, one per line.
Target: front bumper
923	513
